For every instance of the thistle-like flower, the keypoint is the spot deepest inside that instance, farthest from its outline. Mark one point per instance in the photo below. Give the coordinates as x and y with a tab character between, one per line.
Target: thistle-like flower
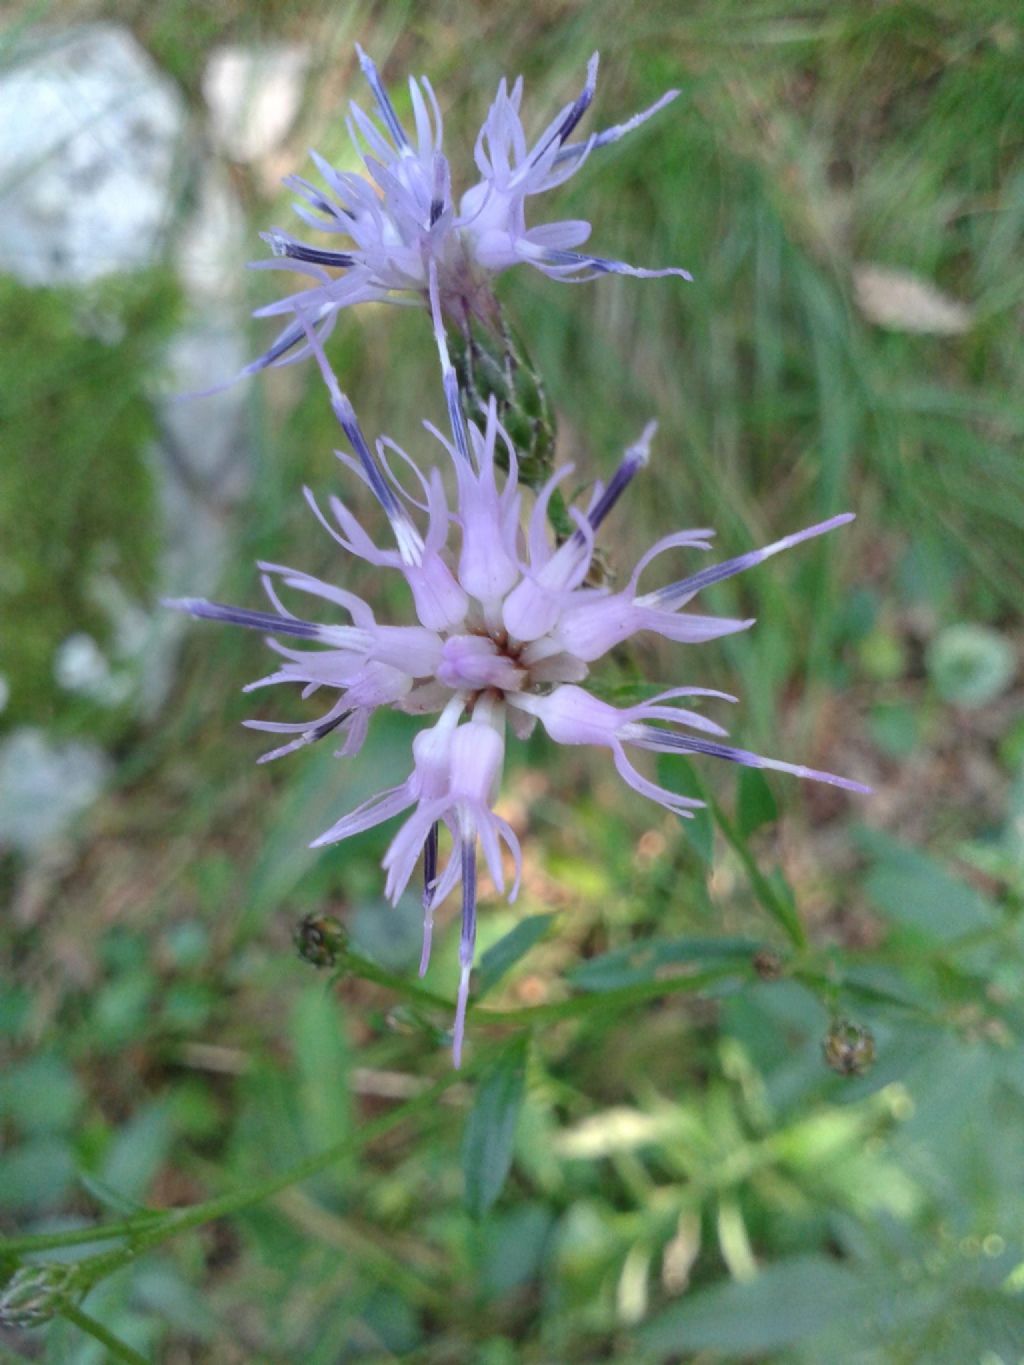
507	629
402	222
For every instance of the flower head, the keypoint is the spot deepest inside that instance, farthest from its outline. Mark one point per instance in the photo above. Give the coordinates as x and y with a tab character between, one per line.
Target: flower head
508	626
401	221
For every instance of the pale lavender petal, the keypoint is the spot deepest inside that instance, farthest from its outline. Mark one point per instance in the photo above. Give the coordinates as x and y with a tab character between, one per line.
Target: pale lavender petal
360	611
356	730
688	628
384	806
477	755
404	850
679	805
509	835
538	539
474	663
564	235
351	537
695	540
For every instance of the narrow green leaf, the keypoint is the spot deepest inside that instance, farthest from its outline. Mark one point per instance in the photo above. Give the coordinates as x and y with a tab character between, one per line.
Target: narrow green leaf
491	1129
788	1302
772	892
646	960
321	1068
116	1348
918	893
503	955
107	1197
755	804
137	1151
679	775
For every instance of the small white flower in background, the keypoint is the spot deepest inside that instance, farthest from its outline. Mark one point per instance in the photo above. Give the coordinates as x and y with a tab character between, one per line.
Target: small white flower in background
402	222
507	629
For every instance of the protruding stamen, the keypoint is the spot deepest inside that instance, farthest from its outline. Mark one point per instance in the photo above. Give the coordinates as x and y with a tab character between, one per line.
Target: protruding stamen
429	886
666	739
467	942
266	621
387	109
635	459
576	111
449	380
408	539
675	594
569	261
284	246
314	198
440	190
349	422
291	336
610	135
334	720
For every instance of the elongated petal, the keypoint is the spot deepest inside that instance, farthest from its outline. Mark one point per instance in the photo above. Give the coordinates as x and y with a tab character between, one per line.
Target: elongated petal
673	801
384	806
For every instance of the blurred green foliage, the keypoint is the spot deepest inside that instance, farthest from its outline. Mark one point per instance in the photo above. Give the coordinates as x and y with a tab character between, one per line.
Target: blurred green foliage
653	1155
77	503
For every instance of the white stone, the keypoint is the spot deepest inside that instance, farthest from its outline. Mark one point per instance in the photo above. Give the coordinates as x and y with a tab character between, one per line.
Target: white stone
254	94
79	664
44	785
100	175
212	247
89	159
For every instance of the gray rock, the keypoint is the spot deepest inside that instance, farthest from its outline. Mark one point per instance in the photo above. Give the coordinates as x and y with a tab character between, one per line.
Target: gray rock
254	94
202	459
90	157
44	785
101	172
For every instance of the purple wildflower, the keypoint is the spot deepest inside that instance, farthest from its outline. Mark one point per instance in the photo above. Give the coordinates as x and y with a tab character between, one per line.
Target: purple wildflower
402	222
508	627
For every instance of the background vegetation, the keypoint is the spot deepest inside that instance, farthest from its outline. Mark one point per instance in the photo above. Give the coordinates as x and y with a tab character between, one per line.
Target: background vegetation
759	1083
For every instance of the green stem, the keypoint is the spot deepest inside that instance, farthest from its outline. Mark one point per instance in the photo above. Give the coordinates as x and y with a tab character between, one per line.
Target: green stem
779	909
76	1237
621	997
160	1226
143	1231
316	1221
604	1002
353	964
117	1348
829	989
